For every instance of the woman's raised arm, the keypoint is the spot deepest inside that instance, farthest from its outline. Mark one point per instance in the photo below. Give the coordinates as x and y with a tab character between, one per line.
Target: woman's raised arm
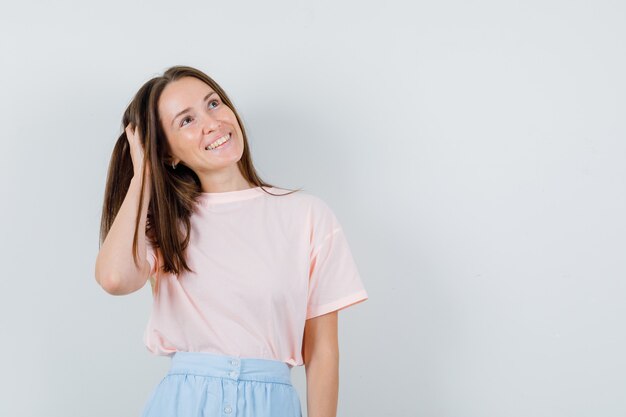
116	271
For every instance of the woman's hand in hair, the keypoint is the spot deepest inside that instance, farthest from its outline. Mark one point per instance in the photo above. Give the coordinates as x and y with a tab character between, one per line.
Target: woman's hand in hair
136	149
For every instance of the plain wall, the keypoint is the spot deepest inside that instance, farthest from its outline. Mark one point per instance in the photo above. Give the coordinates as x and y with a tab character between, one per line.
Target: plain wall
473	151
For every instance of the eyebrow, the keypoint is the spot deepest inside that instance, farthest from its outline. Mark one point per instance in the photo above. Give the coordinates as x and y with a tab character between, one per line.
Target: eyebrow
189	108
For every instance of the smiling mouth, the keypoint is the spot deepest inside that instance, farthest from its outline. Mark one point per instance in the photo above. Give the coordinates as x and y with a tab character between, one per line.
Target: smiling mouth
219	142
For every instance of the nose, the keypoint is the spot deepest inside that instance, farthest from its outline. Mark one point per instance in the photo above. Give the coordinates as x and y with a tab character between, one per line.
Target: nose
209	123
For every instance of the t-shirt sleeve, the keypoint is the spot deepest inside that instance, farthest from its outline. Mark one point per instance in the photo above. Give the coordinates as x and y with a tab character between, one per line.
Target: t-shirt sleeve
334	279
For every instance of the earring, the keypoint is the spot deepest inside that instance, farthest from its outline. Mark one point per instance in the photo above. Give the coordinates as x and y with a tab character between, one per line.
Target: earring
173	166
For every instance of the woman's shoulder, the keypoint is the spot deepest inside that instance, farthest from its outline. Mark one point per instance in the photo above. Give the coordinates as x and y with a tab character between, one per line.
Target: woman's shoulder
301	197
304	203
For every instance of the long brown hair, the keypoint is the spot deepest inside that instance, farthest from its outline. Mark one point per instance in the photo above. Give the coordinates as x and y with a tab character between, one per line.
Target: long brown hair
175	192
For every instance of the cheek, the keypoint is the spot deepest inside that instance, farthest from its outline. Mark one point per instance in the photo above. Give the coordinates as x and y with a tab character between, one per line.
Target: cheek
229	115
182	142
190	134
235	124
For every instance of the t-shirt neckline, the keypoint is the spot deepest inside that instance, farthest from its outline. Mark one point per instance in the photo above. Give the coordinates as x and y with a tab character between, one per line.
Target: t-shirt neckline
230	196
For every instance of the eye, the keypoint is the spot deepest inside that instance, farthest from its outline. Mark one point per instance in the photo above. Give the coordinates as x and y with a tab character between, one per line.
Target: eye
181	122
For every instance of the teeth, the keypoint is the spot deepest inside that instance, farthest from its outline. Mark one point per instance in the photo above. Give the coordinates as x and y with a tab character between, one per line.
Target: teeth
218	142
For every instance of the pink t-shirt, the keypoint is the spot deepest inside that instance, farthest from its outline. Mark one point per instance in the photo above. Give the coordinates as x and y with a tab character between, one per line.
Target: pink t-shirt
263	265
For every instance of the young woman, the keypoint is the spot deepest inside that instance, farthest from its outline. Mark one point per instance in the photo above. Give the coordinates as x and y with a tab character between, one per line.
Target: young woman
246	281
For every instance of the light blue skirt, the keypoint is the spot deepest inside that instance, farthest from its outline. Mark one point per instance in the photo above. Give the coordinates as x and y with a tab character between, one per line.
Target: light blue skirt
200	384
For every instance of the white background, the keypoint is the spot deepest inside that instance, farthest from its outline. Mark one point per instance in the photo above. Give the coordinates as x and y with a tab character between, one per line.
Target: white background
473	151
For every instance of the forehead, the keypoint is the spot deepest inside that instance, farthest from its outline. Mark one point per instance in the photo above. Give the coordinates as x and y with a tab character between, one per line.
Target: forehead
180	94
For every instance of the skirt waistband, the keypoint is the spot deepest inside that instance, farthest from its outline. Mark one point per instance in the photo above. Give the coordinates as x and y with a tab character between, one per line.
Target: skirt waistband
230	367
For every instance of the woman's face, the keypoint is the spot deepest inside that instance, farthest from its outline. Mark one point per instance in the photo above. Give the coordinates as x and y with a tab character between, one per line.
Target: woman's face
193	117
